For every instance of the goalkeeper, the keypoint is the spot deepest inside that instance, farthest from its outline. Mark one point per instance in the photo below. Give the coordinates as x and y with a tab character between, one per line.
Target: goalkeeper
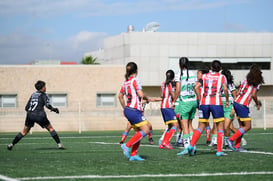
36	114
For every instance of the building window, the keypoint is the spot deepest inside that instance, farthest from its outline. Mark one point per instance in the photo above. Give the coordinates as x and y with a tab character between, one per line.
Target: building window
8	101
106	100
58	100
235	63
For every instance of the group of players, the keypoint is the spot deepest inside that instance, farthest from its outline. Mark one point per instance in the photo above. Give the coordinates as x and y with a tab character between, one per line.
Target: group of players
182	94
209	92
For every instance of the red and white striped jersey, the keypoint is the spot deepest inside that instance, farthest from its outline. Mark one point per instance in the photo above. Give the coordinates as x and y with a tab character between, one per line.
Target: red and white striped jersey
245	94
211	89
129	88
165	94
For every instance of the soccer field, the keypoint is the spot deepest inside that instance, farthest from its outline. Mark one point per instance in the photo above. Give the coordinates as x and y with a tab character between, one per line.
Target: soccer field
98	156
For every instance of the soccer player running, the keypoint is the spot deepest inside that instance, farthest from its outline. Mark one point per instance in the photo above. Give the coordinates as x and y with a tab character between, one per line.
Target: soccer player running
211	102
132	89
247	92
36	114
168	114
185	82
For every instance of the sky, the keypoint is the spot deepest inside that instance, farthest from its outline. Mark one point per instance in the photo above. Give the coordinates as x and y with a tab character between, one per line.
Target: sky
67	29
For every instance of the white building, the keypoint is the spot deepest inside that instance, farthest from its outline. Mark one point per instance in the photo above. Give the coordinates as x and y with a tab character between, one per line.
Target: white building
156	52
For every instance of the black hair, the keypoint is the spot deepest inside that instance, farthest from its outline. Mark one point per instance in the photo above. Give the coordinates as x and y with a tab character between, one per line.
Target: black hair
254	77
131	68
39	85
169	77
216	66
228	76
184	63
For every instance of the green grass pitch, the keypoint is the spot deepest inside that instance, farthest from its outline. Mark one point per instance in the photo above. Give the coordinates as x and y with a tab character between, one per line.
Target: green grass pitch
98	156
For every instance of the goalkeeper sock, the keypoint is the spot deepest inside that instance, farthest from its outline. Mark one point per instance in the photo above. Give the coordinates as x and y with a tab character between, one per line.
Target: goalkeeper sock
55	136
17	138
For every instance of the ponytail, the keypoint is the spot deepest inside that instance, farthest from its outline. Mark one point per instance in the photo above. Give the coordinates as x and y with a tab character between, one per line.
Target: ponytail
184	63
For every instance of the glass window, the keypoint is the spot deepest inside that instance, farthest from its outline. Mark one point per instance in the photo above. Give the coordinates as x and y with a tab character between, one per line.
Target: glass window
58	100
8	100
106	100
236	63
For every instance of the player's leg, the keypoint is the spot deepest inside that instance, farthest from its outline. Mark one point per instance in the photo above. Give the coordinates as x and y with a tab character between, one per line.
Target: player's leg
150	134
54	135
186	137
18	137
208	131
243	113
125	133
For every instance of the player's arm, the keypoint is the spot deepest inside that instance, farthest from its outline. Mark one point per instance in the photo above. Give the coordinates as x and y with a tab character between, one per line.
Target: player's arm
27	105
197	89
177	90
226	94
48	105
121	100
255	98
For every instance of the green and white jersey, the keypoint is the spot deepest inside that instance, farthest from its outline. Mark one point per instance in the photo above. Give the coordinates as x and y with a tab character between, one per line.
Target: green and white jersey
187	86
231	87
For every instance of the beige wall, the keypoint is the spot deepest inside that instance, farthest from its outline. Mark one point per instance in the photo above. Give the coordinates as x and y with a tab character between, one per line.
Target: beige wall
81	83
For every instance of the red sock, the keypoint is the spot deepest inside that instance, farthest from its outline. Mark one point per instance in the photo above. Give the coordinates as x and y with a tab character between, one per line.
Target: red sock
135	148
220	136
137	137
238	142
168	136
195	137
235	135
150	135
208	134
123	137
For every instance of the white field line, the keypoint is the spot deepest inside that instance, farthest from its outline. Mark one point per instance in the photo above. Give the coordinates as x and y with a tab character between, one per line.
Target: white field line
144	176
255	152
5	178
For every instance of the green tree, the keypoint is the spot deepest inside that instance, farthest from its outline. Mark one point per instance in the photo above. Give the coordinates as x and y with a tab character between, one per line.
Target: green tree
89	60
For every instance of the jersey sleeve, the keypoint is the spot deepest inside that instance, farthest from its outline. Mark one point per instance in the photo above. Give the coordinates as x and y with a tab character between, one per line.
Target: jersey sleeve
136	84
47	101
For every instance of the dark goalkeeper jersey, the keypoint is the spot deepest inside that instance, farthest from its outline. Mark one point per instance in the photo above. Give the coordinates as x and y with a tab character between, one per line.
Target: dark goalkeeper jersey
36	103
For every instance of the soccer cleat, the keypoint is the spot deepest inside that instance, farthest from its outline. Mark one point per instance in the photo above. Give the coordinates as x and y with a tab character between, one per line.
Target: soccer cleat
192	150
121	142
220	153
164	145
10	146
151	141
183	152
126	150
136	158
61	147
244	143
208	142
240	149
230	144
